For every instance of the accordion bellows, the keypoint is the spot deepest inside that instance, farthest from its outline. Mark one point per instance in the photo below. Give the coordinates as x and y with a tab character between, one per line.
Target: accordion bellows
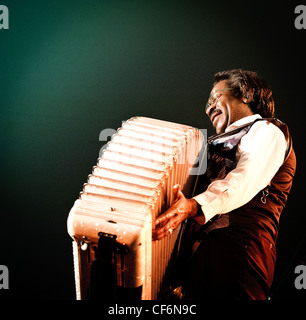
128	188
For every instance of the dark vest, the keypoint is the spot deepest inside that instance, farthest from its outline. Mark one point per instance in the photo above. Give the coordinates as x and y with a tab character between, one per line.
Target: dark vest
260	215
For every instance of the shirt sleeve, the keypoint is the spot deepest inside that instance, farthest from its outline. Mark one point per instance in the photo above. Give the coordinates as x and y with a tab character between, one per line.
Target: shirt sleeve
260	154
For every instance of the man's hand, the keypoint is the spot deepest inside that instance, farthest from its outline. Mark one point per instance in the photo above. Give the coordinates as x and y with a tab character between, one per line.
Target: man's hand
181	209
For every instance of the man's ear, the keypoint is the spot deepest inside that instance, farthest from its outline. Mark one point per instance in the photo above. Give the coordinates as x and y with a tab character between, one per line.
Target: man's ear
245	98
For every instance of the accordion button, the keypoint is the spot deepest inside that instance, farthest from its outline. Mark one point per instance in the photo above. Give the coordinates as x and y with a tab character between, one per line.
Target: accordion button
84	246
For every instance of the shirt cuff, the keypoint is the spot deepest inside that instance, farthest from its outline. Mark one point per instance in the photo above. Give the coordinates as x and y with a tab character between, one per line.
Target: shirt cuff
206	213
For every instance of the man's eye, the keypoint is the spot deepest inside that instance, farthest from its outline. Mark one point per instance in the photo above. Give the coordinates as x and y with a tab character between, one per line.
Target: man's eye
214	99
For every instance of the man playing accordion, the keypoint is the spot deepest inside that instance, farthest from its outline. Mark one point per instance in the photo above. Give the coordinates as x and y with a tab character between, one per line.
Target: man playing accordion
228	247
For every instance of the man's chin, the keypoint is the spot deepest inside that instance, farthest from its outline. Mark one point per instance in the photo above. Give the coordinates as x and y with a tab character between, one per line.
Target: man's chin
220	129
219	124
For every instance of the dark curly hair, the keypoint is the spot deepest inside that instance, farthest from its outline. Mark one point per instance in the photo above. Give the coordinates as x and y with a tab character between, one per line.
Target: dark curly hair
248	85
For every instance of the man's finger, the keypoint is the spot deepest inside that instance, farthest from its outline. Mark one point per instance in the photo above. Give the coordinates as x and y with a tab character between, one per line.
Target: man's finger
177	193
162	232
171	212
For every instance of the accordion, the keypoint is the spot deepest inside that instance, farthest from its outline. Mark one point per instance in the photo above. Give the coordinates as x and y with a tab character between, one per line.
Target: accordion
111	222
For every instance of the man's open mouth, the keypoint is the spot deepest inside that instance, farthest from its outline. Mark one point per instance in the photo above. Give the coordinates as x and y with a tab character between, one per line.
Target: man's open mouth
215	114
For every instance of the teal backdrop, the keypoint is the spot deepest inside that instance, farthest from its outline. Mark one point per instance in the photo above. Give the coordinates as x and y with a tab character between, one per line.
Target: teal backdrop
70	69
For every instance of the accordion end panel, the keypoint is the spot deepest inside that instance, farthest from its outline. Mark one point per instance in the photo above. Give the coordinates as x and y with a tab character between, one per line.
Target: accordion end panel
130	254
111	221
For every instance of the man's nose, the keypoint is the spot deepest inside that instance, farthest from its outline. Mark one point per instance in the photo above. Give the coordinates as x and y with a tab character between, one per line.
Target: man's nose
210	109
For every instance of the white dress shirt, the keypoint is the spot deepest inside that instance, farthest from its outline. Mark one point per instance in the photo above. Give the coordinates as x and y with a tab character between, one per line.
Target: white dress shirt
260	153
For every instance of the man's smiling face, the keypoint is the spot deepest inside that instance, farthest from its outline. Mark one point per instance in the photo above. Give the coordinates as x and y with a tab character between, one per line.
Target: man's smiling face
223	108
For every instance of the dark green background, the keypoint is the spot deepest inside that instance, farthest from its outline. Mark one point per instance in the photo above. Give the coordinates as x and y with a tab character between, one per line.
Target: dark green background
69	69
